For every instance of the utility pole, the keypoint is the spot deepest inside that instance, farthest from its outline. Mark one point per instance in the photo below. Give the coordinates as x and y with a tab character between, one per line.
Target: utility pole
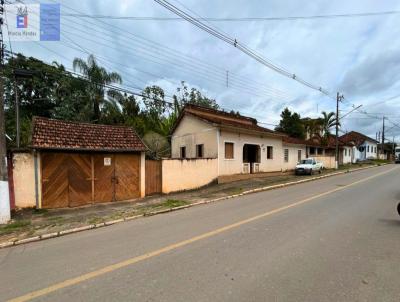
227	78
338	99
393	148
18	127
4	194
383	137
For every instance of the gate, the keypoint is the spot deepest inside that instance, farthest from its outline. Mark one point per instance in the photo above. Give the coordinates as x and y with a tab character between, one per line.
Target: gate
76	179
127	176
153	176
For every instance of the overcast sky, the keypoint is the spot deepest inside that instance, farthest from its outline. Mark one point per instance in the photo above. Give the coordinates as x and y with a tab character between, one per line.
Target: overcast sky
360	57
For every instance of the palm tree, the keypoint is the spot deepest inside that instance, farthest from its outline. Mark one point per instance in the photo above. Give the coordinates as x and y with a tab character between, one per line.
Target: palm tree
328	121
98	77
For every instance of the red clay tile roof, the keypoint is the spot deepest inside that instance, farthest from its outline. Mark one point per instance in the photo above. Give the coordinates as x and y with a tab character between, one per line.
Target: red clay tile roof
65	135
222	118
294	140
314	142
356	137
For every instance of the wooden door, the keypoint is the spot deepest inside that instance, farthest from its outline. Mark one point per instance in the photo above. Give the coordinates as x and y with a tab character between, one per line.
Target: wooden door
103	177
54	180
80	179
153	177
127	176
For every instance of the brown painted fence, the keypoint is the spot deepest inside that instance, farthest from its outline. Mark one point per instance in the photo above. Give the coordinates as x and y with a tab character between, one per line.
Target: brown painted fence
153	176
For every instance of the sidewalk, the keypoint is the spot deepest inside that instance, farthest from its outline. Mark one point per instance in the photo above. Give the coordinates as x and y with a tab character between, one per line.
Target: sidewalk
28	223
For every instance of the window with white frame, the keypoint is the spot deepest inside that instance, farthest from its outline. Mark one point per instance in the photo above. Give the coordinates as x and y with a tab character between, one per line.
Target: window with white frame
286	155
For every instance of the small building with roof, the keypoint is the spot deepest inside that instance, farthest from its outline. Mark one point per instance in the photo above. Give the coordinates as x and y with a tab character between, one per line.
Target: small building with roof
363	148
77	164
238	142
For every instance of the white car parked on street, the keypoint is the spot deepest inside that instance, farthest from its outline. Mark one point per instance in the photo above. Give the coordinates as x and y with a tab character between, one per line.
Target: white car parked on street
308	166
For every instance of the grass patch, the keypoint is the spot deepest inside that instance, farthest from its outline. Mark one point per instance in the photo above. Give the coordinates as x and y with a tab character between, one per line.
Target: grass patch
14	226
172	203
55	219
236	191
95	220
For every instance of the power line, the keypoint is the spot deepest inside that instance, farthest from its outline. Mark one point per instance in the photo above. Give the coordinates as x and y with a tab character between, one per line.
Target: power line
241	47
164	49
235	82
238	19
126	89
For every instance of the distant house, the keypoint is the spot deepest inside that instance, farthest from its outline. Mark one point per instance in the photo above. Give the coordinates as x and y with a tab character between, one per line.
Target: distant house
323	151
388	151
363	147
238	142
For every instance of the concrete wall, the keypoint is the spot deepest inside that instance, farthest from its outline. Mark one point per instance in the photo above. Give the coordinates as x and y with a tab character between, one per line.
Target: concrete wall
24	180
191	132
235	165
186	174
328	161
293	156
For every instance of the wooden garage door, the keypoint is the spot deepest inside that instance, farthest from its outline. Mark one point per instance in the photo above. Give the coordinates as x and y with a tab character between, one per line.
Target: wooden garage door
127	176
103	177
54	180
80	179
72	179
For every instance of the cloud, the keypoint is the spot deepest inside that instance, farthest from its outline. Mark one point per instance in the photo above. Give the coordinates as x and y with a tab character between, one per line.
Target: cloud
374	74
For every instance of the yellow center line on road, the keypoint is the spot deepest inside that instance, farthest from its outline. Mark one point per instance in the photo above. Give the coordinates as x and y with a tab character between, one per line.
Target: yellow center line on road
131	261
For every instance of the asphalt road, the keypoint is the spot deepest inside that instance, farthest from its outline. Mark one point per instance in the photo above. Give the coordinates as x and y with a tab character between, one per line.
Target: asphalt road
336	239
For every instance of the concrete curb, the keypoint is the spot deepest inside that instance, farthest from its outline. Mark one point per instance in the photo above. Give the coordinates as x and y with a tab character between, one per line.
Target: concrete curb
112	222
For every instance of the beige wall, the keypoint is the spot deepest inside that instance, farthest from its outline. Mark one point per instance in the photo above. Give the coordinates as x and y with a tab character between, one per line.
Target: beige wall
235	166
191	132
293	156
186	174
24	180
328	161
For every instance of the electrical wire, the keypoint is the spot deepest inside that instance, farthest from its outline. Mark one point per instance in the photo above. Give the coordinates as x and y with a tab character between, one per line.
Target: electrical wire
239	19
152	45
238	45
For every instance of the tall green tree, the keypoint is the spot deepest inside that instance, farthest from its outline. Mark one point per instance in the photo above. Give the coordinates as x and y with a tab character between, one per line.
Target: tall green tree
291	124
185	95
98	77
48	91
